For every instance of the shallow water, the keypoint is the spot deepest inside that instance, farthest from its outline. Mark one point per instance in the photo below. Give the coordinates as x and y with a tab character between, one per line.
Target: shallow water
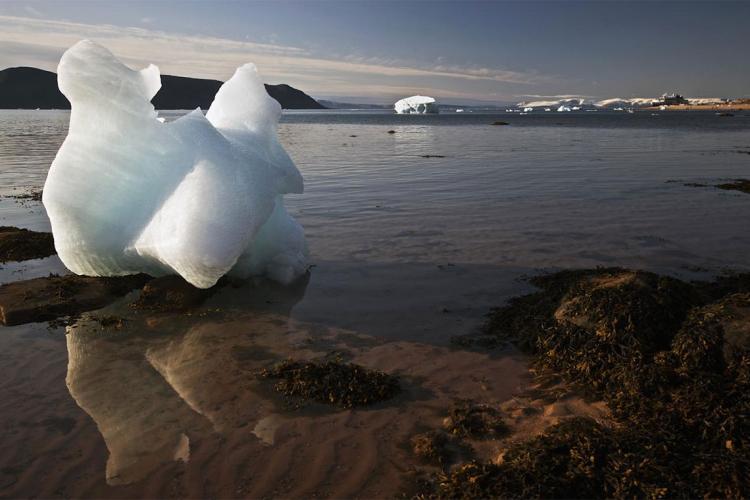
408	250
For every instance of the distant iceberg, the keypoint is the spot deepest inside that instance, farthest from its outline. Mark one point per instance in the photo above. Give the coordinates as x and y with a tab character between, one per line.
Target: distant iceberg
556	103
201	196
416	104
612	103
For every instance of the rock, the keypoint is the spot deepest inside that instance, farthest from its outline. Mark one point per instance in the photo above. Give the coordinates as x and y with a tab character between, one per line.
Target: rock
43	299
22	244
741	185
500	123
172	293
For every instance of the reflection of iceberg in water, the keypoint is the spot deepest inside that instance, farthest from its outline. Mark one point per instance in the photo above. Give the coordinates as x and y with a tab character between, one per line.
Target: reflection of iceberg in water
151	393
133	407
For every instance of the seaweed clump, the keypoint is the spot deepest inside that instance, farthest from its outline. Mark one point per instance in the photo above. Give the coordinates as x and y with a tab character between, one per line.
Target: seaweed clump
333	382
671	359
476	421
432	447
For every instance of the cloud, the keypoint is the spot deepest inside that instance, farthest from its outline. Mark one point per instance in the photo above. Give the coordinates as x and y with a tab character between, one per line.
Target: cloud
40	42
33	11
557	96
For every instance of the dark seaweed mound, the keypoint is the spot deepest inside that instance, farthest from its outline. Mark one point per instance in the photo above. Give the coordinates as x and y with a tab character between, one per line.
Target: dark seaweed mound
431	447
333	382
671	359
476	421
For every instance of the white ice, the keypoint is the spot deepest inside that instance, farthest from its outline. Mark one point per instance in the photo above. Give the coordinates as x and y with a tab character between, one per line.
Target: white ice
201	196
418	104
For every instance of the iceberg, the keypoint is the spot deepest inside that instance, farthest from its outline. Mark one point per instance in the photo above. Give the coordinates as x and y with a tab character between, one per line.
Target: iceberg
418	104
201	196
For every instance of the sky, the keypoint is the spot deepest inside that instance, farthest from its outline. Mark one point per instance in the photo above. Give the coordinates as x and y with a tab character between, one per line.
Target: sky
379	51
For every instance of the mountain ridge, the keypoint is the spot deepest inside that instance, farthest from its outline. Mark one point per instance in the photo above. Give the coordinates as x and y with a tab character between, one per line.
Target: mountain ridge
26	87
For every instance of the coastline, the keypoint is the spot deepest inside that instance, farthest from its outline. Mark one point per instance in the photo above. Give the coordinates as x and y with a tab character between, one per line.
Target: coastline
702	107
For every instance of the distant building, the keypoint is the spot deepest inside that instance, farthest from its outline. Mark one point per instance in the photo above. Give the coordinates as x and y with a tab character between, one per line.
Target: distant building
670	99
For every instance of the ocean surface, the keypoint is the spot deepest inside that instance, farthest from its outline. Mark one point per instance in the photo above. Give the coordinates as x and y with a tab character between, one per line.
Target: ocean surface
414	235
548	190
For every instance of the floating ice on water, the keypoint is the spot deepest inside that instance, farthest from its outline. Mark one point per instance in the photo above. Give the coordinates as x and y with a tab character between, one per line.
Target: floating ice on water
201	196
418	104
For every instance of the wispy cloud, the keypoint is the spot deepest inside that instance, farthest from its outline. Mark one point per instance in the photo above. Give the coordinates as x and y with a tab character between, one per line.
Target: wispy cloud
556	96
33	11
38	42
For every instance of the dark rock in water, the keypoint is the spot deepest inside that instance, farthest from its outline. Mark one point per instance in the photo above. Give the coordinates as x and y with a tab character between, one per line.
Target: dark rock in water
500	123
21	244
391	131
172	293
742	185
333	382
43	299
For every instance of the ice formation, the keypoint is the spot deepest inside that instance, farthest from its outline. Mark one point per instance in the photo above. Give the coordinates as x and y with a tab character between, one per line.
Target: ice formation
201	196
418	104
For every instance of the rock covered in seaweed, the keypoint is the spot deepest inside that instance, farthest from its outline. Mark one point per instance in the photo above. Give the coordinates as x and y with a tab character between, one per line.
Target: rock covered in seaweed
201	196
670	359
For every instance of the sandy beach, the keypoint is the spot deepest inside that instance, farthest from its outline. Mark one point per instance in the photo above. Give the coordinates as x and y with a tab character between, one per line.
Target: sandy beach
160	410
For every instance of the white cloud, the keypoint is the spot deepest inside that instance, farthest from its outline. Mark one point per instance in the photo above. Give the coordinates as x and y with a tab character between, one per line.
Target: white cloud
39	42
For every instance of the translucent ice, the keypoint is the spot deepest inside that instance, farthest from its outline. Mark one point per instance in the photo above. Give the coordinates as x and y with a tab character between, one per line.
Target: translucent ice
201	196
416	104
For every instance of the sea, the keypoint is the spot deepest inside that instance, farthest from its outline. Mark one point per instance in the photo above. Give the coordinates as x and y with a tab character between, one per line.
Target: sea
417	226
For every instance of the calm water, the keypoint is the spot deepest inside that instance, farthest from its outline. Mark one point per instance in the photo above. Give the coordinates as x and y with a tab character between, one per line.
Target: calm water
550	190
414	235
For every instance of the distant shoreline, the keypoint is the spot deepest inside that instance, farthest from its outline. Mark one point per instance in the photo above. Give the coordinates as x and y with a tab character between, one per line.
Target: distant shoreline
704	107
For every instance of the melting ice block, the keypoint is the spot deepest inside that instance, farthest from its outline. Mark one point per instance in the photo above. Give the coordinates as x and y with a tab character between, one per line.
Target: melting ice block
419	104
201	196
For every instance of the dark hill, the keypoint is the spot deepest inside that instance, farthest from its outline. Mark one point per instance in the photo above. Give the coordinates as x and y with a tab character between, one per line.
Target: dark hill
31	88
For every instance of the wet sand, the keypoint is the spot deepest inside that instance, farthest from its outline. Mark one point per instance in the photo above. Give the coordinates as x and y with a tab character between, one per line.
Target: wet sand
171	406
